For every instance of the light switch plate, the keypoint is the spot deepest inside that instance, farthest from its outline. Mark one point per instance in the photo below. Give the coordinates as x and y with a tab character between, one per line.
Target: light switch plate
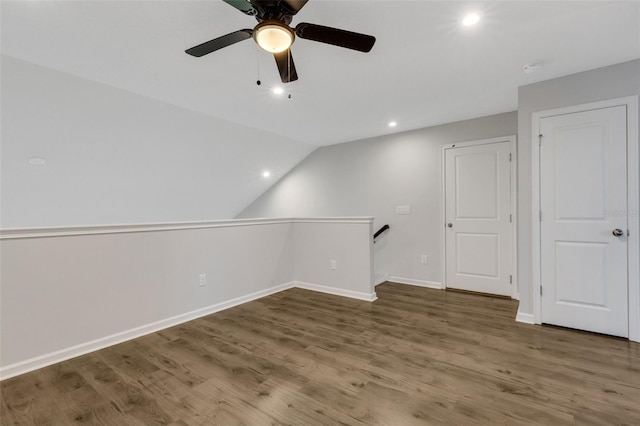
403	209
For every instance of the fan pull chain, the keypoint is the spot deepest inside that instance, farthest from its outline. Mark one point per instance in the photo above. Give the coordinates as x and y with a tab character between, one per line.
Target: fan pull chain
258	82
289	69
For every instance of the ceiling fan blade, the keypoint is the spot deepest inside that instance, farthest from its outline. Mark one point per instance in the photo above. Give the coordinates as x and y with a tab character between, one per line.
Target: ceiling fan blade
335	36
218	43
242	5
294	6
287	68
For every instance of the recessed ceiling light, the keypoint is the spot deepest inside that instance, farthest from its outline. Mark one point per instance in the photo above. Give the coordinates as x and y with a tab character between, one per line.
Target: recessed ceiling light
266	174
470	19
36	161
393	124
278	90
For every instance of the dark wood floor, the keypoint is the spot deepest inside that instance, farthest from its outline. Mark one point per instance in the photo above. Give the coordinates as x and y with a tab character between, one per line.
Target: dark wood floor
415	356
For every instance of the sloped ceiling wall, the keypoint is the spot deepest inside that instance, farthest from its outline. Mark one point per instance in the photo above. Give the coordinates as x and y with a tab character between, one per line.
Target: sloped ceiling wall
114	157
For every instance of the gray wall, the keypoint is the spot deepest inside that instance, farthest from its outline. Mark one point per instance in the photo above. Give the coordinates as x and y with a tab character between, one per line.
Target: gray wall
610	82
68	293
371	177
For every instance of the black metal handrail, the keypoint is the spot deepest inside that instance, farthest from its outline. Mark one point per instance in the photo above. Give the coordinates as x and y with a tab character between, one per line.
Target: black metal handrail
380	231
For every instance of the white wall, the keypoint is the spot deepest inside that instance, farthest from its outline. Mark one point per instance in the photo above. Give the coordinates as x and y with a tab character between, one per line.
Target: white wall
69	291
116	157
371	177
610	82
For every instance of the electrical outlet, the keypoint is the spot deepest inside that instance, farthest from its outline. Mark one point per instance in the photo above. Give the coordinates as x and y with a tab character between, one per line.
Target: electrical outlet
423	259
203	280
333	264
403	209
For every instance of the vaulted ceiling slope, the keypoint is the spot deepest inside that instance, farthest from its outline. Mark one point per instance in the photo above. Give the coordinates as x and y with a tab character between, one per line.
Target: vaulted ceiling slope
425	68
107	156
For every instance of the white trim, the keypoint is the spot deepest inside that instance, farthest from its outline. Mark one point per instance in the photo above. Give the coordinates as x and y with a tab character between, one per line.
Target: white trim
41	361
381	280
524	318
535	217
634	221
512	139
20	233
368	297
514	222
507	138
411	281
631	102
443	217
355	219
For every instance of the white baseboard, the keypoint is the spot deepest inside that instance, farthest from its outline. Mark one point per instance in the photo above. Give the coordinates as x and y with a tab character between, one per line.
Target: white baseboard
381	280
525	318
41	361
411	281
369	297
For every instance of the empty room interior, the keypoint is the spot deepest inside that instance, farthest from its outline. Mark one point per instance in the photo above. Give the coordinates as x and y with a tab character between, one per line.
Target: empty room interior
319	212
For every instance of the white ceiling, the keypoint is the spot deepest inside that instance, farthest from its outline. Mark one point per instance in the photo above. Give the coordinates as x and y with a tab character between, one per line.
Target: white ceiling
425	68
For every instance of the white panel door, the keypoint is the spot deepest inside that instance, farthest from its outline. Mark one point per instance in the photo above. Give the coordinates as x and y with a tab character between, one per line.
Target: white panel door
583	202
478	209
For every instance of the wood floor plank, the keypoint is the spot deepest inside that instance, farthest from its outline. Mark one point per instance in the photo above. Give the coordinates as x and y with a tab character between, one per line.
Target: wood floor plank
127	397
29	402
415	356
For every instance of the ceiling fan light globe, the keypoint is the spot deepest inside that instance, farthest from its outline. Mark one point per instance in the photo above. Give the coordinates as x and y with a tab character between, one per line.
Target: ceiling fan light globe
273	37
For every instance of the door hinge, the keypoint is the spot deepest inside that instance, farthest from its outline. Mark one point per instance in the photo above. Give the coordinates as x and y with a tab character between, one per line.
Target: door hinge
540	139
509	157
540	290
510	218
510	279
540	216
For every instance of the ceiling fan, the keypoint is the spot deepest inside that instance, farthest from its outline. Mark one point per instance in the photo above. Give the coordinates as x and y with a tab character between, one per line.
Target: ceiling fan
274	35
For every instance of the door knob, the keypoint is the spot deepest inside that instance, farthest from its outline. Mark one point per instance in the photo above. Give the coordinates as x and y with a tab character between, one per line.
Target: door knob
450	225
617	233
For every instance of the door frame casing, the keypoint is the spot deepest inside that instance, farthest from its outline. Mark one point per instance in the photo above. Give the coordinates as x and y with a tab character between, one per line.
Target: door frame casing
633	205
514	205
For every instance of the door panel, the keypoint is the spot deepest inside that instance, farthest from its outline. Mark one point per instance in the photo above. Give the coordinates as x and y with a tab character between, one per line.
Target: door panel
478	207
580	186
576	284
478	254
476	184
583	179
